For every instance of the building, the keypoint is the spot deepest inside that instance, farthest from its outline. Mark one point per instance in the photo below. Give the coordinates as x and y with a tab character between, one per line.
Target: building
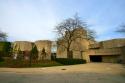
106	51
25	48
44	49
21	48
53	50
92	51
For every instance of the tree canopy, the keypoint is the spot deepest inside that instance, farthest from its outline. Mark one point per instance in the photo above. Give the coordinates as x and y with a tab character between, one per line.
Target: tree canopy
3	36
121	29
34	52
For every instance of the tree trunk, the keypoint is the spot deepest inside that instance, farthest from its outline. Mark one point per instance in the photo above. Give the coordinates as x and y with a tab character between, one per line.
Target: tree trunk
69	54
30	61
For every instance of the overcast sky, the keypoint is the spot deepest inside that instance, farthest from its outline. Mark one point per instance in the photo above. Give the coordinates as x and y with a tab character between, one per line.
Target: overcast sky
32	20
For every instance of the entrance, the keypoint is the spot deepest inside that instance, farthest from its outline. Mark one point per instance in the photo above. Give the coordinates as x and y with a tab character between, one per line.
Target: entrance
96	58
53	56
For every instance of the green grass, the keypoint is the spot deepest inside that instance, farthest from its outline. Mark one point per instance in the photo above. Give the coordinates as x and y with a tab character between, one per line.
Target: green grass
25	64
46	64
2	64
10	63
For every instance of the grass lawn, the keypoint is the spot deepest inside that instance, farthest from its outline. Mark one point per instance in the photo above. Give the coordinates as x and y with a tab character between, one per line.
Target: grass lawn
46	63
22	64
2	64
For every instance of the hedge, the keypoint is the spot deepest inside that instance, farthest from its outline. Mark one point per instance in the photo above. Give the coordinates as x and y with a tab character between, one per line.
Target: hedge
5	49
66	61
1	59
11	63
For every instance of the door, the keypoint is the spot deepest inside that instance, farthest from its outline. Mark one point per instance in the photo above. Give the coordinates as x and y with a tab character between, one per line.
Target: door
96	58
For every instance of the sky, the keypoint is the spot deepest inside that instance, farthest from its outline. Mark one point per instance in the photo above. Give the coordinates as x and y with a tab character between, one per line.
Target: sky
31	20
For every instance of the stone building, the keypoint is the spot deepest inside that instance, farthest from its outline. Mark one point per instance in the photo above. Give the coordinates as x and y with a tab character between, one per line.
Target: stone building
77	47
22	46
93	51
44	49
26	46
106	51
82	48
53	50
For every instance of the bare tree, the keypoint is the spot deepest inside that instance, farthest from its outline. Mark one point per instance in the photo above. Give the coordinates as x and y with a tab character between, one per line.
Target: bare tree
71	29
3	36
91	34
121	29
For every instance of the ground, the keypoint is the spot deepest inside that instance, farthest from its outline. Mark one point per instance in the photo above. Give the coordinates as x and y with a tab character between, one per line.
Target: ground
84	73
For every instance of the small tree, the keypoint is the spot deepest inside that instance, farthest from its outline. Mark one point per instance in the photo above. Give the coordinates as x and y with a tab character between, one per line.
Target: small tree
34	53
43	54
20	56
3	36
7	49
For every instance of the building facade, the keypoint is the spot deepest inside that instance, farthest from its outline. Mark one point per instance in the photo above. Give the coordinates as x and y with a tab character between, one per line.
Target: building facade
21	48
106	51
44	49
92	51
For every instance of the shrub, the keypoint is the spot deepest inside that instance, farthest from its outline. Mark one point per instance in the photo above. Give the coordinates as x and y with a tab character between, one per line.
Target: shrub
45	63
34	52
9	62
5	49
17	63
66	61
12	63
1	59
